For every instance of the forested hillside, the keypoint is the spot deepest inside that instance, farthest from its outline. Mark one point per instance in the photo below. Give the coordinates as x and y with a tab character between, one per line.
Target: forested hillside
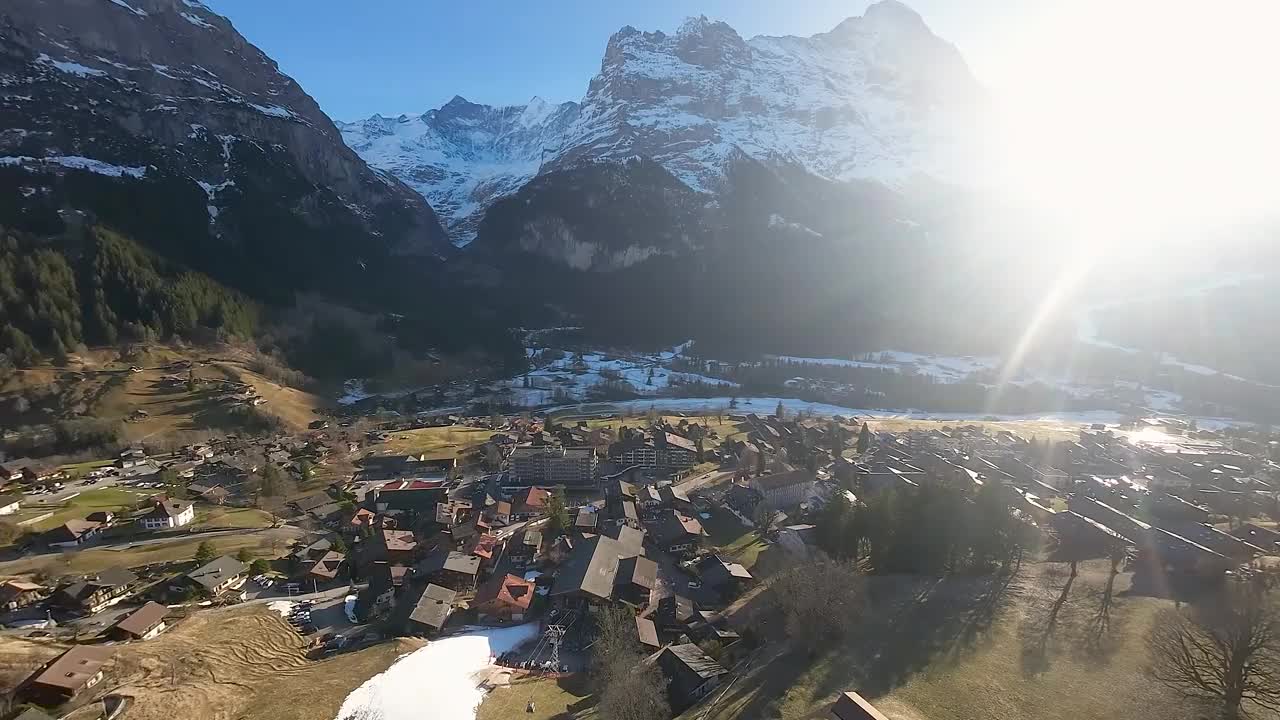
96	286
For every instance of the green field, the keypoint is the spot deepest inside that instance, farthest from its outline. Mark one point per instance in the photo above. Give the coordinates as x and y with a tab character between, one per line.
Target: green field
111	499
229	517
262	543
553	699
436	442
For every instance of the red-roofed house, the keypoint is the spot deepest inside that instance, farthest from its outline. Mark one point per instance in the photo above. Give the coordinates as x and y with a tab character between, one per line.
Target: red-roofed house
504	598
529	503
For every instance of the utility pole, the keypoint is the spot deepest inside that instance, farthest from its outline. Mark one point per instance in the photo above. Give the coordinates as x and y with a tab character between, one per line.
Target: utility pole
555	635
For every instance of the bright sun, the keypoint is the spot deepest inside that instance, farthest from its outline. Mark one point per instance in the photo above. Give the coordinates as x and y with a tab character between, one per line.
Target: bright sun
1137	119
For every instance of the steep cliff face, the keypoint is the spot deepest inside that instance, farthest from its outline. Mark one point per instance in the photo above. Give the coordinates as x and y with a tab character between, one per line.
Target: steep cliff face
879	100
158	116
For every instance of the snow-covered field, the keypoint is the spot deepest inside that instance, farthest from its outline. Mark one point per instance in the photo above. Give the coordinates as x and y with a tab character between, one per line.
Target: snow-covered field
437	682
573	377
943	367
766	405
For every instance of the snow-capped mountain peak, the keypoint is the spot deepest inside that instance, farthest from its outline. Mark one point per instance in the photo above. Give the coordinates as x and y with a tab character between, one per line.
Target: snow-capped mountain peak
877	98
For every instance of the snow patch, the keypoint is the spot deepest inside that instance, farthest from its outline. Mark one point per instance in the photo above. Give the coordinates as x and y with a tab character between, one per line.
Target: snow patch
76	162
284	607
130	8
437	682
71	68
942	367
196	20
272	110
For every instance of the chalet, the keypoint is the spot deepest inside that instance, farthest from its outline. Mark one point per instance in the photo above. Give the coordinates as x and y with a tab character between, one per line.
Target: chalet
630	540
168	514
647	634
676	533
399	546
587	519
708	625
9	504
103	517
780	491
219	575
39	473
72	533
675	497
326	568
450	568
420	496
362	519
71	673
312	552
96	592
500	513
589	573
635	580
524	548
743	499
530	503
506	598
852	706
307	503
674	614
722	576
142	624
431	611
327	514
131	457
11	470
17	594
878	474
485	547
691	674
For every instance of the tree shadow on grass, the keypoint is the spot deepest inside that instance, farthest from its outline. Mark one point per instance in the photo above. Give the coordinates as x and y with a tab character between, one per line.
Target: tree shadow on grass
1040	629
914	623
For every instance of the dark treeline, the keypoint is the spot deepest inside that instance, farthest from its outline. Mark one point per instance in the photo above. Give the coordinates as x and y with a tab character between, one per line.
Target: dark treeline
930	529
94	286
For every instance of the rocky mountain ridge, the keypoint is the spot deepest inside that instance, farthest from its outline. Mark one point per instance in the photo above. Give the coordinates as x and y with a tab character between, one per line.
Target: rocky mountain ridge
880	99
159	117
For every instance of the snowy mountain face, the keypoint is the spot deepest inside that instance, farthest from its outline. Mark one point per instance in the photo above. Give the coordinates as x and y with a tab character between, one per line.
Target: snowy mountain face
157	117
880	98
463	156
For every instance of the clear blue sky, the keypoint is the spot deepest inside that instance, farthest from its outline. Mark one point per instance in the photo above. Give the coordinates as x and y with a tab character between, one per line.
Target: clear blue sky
394	56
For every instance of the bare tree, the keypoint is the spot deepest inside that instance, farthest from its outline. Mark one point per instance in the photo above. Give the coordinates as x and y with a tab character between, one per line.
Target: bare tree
820	601
628	686
1225	652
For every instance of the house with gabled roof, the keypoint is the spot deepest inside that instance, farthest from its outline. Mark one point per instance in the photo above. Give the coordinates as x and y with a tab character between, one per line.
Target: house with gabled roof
142	624
504	597
690	672
219	575
96	592
674	532
431	611
168	514
71	673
